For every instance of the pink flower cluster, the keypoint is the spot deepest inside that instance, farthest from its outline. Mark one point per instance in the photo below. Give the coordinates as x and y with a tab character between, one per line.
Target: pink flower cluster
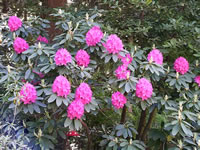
155	56
75	110
113	44
181	65
82	58
197	80
20	45
83	96
118	100
144	89
14	23
62	57
84	93
94	36
127	59
122	72
61	86
28	94
42	39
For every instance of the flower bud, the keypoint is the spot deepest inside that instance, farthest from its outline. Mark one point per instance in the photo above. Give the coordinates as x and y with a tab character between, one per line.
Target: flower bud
87	16
60	11
180	145
177	75
197	63
195	98
131	142
8	68
166	98
39	45
180	116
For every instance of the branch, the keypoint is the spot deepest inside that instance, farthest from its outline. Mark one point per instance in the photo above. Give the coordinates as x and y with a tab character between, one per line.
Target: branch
141	124
150	121
88	134
123	115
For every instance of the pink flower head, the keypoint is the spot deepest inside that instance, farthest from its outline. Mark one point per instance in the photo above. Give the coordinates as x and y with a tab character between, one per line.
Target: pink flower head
94	36
62	57
122	72
28	94
156	56
20	45
181	65
127	59
42	39
118	100
144	89
82	58
197	80
61	86
75	110
84	93
14	23
113	44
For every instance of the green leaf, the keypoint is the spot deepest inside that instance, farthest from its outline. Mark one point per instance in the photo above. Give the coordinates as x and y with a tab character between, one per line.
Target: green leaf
36	108
115	58
27	74
123	144
58	101
52	98
78	124
62	134
187	131
111	144
3	78
30	108
175	129
67	122
127	87
107	58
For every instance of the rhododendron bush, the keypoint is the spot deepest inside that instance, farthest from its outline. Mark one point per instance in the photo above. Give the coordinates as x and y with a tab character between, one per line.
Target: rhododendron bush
59	87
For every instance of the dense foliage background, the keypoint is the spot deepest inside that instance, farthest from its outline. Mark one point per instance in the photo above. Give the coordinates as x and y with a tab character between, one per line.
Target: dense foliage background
169	120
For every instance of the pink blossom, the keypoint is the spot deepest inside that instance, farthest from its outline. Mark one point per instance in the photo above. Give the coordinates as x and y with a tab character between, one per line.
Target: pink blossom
127	59
75	110
28	94
82	58
118	100
84	93
181	65
156	56
61	86
94	36
20	45
14	23
42	39
197	80
122	72
144	89
62	57
113	44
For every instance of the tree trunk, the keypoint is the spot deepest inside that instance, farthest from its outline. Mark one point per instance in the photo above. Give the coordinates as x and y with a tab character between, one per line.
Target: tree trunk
123	115
5	6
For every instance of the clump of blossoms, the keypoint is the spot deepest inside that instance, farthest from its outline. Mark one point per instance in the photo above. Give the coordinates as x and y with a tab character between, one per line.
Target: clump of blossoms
20	45
62	57
118	100
94	36
61	86
113	44
181	65
84	93
144	89
28	94
155	56
122	72
197	80
82	58
127	59
75	110
42	39
14	23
